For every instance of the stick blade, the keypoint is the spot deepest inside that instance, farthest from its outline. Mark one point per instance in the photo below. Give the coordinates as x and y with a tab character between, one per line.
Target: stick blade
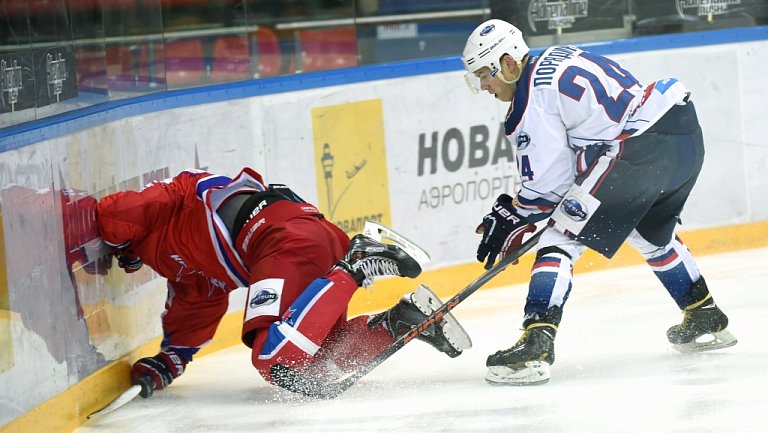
121	400
300	383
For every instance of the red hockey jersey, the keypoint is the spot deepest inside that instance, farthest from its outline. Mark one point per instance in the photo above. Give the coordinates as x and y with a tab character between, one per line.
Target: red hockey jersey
163	224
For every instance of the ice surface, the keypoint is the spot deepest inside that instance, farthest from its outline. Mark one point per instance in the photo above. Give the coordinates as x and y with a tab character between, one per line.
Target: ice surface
615	372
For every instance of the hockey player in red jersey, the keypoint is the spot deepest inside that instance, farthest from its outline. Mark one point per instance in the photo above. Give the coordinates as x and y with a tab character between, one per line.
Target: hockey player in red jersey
208	235
606	159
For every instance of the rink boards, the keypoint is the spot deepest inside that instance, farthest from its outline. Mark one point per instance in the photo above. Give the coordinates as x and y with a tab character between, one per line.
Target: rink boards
408	145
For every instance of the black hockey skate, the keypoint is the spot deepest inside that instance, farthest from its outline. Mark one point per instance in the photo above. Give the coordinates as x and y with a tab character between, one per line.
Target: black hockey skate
528	361
703	325
367	258
447	336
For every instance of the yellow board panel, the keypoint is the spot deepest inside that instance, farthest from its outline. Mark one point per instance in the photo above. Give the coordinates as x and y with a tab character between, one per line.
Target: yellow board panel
351	164
66	411
447	281
6	340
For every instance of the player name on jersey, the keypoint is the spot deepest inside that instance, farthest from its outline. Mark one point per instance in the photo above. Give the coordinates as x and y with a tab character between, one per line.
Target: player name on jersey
546	67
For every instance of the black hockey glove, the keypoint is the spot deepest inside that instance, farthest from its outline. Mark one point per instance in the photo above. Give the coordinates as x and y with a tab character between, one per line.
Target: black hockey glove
160	369
503	230
128	261
96	257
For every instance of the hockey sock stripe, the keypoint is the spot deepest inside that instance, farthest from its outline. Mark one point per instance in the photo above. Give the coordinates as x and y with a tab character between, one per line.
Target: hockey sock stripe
298	339
673	265
546	264
282	333
687	259
665	262
274	343
550	282
304	303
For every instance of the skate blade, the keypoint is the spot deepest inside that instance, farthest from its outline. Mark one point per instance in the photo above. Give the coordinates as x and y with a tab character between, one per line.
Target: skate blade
531	373
427	301
382	233
714	341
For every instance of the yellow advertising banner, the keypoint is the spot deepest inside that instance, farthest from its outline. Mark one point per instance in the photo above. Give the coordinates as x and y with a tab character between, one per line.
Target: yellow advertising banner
351	164
6	337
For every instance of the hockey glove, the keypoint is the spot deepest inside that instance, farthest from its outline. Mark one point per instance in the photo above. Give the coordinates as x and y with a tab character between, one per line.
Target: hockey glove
161	369
99	266
128	261
96	256
503	230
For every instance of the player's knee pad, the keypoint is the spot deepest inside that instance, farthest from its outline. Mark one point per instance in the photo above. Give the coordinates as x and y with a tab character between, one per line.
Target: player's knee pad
645	247
552	250
555	242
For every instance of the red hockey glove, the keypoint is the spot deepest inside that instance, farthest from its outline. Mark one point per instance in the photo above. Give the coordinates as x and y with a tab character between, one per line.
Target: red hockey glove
161	369
503	230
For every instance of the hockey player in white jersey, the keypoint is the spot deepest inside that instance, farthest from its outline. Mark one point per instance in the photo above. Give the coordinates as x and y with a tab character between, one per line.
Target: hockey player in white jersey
606	159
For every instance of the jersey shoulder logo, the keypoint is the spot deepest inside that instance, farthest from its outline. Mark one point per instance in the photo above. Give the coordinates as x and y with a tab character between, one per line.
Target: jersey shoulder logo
522	140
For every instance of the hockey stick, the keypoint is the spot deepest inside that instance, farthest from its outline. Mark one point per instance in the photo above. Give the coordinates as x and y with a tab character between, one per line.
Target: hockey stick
300	383
143	387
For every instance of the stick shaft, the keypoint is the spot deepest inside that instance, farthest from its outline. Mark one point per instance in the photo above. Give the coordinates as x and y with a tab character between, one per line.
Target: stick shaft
449	305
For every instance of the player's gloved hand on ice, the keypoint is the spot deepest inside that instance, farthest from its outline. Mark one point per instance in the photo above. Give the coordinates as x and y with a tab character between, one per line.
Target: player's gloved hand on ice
128	260
161	369
98	266
96	256
503	230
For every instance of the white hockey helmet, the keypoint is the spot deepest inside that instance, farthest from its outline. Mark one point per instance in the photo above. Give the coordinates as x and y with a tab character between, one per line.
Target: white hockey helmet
487	44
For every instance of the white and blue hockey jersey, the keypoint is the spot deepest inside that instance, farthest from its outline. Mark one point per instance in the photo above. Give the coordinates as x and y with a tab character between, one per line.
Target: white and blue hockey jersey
567	105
